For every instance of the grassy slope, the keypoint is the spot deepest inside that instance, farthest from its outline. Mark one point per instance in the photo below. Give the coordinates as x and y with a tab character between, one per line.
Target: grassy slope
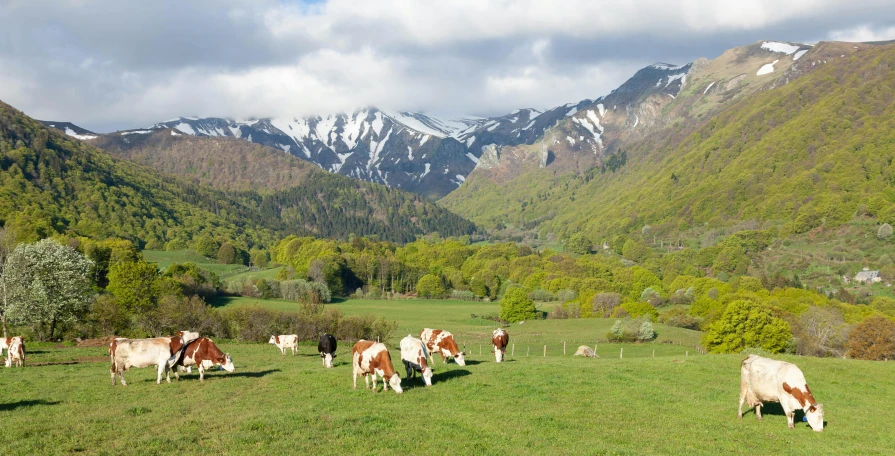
764	157
164	259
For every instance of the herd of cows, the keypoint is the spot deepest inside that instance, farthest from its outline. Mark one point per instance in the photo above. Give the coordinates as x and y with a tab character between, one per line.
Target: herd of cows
761	380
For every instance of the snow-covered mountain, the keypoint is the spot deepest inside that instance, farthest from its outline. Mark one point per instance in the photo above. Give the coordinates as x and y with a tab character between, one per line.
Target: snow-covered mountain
412	151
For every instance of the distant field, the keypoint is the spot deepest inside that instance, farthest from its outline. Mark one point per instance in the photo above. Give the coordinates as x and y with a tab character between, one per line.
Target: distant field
456	316
269	274
165	258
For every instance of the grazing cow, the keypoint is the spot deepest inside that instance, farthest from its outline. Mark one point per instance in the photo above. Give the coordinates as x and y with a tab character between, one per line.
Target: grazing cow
327	349
127	353
442	342
204	354
414	355
284	341
768	380
15	354
371	359
500	339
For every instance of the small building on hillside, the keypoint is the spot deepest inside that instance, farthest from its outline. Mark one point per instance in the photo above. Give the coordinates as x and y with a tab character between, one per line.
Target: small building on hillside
867	276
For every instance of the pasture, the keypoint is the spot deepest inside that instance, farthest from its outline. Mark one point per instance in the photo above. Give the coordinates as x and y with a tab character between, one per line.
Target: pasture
62	401
164	259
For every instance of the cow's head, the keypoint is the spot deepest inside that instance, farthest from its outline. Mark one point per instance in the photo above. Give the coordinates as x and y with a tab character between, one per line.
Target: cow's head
273	340
427	376
395	383
227	365
328	360
815	417
459	358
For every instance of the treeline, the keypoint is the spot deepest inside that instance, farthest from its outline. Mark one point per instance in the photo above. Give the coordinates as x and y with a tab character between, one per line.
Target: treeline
703	289
55	185
77	288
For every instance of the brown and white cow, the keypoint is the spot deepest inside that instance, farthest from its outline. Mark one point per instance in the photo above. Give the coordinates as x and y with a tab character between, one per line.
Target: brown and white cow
128	353
284	341
442	342
768	380
414	355
500	339
371	359
204	354
15	351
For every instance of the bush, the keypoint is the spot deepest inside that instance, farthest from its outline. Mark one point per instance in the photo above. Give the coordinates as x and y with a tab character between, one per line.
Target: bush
679	318
303	291
430	286
605	303
463	295
639	309
566	295
747	324
646	331
631	330
884	231
541	295
872	339
516	306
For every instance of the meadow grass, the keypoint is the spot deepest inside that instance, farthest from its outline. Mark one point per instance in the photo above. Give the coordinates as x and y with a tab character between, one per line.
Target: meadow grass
670	404
164	259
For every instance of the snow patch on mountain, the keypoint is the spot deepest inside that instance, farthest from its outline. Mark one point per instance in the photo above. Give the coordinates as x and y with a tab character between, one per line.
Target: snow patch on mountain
73	134
799	54
782	48
765	69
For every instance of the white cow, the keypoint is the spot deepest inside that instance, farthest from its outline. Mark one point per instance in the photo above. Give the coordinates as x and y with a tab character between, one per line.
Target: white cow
414	355
284	341
371	359
15	355
128	353
768	380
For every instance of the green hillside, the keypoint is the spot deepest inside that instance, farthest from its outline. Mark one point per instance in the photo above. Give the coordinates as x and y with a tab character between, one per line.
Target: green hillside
51	184
814	152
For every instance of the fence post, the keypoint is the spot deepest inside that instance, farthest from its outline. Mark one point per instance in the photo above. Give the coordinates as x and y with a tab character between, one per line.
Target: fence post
480	349
528	350
513	353
688	353
564	348
620	352
545	351
654	353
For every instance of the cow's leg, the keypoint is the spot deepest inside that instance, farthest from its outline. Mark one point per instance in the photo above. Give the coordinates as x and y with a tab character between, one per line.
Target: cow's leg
355	379
374	380
201	373
790	419
112	371
384	384
758	411
367	380
742	400
121	375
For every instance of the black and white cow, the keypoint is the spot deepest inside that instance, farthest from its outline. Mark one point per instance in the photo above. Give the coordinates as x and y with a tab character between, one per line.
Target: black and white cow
327	349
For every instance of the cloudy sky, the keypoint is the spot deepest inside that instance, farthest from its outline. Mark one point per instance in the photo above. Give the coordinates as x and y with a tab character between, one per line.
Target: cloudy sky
115	64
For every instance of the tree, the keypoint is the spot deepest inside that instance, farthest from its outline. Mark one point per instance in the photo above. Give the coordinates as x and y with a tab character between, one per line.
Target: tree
516	306
226	254
635	251
873	339
207	246
884	231
579	244
48	284
745	324
260	259
133	283
823	330
6	247
605	303
430	286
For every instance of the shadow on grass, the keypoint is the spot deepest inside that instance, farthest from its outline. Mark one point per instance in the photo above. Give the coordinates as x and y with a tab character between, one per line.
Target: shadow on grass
31	403
448	375
256	374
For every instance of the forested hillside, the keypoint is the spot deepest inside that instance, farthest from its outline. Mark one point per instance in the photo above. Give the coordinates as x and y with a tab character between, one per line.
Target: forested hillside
813	152
286	188
56	184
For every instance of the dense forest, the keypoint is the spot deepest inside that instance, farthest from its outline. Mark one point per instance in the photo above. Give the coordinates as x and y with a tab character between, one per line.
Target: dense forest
57	184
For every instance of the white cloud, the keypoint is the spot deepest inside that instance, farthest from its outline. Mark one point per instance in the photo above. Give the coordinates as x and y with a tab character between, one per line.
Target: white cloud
863	33
141	62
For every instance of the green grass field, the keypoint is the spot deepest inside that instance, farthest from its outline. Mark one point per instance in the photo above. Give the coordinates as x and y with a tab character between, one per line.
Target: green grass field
62	401
164	259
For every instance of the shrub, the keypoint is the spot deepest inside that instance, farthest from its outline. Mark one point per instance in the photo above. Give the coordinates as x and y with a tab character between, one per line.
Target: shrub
631	330
747	324
541	295
516	306
872	339
638	309
679	318
566	295
463	295
646	331
605	303
304	291
430	286
884	231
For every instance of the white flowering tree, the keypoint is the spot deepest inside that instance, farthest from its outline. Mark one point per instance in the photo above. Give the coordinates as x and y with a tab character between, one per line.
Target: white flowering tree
47	284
